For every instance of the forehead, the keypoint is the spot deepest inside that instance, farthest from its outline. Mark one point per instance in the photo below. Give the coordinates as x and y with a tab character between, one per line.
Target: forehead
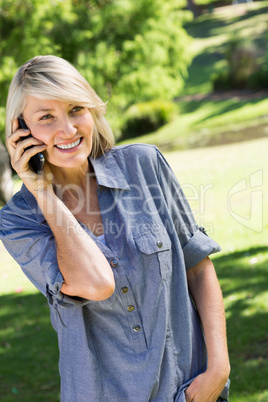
36	105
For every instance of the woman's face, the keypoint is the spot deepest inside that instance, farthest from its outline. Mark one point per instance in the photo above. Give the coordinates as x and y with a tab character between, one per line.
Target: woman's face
65	128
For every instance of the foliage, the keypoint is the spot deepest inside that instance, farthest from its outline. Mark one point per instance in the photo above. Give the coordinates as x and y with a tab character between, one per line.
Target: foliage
130	51
242	65
143	118
259	79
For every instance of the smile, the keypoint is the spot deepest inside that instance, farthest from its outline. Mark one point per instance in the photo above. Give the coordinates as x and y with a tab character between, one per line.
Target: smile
69	146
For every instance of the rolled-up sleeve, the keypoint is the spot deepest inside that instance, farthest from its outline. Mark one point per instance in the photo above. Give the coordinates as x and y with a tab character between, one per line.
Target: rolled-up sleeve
196	245
199	247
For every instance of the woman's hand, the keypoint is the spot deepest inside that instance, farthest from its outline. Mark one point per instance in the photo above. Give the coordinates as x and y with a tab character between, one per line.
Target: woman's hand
206	387
20	156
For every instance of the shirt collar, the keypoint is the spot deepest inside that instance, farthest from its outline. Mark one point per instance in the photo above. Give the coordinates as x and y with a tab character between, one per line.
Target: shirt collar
108	174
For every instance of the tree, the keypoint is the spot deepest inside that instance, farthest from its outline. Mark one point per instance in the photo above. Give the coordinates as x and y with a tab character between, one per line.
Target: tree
129	50
192	6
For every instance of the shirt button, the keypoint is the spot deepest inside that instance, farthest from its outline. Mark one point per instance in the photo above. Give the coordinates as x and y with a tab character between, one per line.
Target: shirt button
159	244
124	289
136	328
130	308
114	263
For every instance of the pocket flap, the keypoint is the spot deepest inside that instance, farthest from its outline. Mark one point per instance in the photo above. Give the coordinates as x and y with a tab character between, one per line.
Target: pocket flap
153	242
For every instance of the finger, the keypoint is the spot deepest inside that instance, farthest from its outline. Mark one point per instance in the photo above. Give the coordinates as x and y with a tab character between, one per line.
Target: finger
15	125
20	161
15	137
20	147
29	141
23	153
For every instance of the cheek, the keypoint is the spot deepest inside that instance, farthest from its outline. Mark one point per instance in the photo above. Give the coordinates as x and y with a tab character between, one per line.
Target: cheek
87	121
41	134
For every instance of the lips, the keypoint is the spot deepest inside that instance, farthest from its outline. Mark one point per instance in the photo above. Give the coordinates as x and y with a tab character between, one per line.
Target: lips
70	146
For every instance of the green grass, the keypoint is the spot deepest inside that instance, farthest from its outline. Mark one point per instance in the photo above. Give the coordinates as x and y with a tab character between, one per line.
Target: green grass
28	350
226	187
244	277
210	177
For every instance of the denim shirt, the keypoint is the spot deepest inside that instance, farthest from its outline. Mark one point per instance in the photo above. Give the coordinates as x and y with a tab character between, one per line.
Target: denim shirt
145	342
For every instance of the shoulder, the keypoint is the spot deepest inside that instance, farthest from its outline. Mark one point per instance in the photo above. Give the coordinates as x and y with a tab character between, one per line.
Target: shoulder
17	212
135	147
16	203
145	155
136	153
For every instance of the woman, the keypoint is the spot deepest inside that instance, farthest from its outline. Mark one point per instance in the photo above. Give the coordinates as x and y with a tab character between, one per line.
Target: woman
107	235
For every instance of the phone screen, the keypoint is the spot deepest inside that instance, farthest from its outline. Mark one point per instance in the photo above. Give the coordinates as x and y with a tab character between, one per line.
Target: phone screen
37	161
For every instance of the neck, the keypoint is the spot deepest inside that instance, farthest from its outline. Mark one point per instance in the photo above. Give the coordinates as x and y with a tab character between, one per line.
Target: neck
77	176
75	186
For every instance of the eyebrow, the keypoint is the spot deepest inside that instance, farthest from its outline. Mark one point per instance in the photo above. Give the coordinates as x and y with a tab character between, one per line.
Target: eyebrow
45	110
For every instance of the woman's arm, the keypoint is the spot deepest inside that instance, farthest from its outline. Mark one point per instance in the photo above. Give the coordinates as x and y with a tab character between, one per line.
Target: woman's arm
206	293
85	270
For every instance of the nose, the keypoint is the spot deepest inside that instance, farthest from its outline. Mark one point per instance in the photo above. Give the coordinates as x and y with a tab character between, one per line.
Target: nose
66	127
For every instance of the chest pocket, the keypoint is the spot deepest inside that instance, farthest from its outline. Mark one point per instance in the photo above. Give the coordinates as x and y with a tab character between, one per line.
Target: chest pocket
155	249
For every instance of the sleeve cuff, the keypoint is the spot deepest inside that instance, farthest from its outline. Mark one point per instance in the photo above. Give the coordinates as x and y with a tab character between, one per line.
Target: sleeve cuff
199	247
54	279
54	284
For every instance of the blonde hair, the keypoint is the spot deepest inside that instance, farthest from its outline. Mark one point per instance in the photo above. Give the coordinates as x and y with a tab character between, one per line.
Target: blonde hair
51	77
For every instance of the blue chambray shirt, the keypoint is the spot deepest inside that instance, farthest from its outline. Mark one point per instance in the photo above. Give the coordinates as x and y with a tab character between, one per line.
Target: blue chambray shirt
145	342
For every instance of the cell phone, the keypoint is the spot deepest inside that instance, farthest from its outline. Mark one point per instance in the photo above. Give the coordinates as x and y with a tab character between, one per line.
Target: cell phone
37	161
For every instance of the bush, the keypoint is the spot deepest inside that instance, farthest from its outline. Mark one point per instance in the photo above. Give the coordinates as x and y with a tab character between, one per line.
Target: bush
241	57
259	80
221	81
143	118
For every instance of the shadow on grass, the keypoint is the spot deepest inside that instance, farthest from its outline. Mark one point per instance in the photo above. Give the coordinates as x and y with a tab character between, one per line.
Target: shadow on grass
217	107
244	276
205	25
203	67
28	350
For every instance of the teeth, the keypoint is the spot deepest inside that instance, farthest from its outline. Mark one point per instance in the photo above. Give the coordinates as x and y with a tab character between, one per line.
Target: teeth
72	145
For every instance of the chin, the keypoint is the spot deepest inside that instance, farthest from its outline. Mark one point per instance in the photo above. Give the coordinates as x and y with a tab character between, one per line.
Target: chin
72	163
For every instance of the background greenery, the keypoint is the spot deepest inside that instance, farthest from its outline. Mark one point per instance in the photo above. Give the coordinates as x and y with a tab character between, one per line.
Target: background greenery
216	144
130	51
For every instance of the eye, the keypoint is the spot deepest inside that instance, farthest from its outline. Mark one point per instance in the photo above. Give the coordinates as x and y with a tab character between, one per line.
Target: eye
77	109
46	116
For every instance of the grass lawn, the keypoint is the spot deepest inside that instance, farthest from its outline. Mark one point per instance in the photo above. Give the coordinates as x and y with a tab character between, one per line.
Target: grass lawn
225	186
